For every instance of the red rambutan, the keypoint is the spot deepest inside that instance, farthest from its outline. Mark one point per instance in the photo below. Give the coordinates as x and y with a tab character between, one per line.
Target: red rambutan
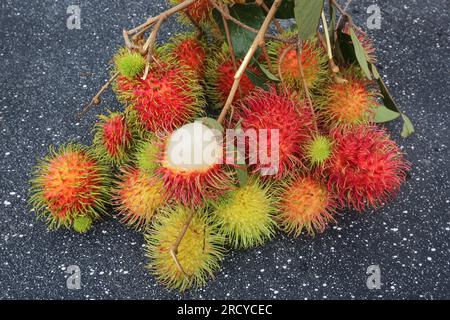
113	138
169	97
220	77
70	184
200	12
313	60
137	197
192	165
306	204
366	168
187	50
265	111
348	103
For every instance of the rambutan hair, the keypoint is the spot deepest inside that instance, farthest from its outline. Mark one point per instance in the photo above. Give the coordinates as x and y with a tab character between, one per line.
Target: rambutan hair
313	60
245	215
188	51
137	196
199	253
317	150
129	63
348	103
367	167
220	77
306	204
200	12
113	139
193	185
68	184
267	110
146	156
169	97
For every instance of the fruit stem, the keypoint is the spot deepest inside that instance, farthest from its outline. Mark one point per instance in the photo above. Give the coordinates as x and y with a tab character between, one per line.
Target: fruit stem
174	248
259	39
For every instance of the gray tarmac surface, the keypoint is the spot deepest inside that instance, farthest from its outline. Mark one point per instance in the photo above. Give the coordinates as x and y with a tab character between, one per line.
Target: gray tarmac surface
48	72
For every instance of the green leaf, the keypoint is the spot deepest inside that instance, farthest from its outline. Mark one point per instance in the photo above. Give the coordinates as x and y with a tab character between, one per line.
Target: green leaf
258	80
250	14
307	15
408	127
384	114
332	26
361	54
211	123
267	72
285	10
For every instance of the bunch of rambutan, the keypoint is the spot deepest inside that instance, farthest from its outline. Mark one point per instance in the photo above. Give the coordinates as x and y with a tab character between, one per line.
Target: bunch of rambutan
306	141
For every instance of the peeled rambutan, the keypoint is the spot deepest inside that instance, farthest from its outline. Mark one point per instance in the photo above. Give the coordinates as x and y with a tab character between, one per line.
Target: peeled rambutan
266	115
147	156
348	103
191	165
313	60
199	253
306	205
69	185
113	138
169	97
366	168
137	197
220	77
200	12
245	215
129	63
188	51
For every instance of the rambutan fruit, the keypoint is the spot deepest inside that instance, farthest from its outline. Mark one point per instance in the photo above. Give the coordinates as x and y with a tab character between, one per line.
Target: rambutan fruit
188	51
318	149
70	187
113	138
169	97
365	41
129	63
199	253
245	215
192	165
147	156
220	77
348	103
366	168
313	60
307	205
266	115
200	12
137	197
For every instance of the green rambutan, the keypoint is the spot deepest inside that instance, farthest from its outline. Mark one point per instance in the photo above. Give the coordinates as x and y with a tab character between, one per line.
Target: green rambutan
318	149
367	168
187	50
129	63
348	103
113	138
306	204
137	197
70	185
147	156
220	77
245	215
199	253
192	165
313	60
169	97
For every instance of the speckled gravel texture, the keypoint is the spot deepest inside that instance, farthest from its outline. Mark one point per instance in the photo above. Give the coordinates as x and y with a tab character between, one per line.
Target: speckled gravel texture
48	72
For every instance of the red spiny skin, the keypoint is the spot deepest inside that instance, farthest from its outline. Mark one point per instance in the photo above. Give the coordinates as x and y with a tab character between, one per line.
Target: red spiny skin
199	11
367	167
191	53
225	79
192	188
309	61
70	183
294	120
116	134
164	101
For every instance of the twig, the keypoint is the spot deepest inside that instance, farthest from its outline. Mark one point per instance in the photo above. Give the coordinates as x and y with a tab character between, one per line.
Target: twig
174	248
266	9
256	43
345	10
96	99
